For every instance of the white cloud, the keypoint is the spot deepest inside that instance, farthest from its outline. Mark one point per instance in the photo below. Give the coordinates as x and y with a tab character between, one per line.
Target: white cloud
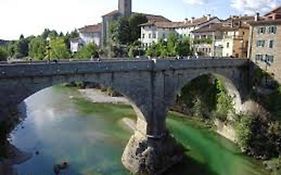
195	2
253	6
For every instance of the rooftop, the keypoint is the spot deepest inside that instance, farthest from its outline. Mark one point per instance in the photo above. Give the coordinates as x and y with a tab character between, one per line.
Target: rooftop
91	28
187	23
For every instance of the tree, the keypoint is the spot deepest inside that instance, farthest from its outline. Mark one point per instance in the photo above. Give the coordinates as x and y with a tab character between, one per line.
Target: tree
21	47
49	33
183	47
3	54
11	49
58	48
37	48
123	31
171	44
135	21
88	51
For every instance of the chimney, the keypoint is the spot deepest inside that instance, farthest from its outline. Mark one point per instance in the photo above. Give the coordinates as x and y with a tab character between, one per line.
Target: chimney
192	19
208	17
186	20
257	17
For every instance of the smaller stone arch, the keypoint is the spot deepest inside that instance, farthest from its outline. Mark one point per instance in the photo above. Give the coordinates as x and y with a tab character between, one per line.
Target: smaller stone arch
231	82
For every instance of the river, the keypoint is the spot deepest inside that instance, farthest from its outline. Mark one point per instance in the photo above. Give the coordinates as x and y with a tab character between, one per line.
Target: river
61	126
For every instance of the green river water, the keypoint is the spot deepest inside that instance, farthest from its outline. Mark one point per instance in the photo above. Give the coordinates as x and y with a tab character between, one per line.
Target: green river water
60	126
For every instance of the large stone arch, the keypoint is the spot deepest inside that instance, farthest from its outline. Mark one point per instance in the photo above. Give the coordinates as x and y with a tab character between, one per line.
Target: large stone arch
14	91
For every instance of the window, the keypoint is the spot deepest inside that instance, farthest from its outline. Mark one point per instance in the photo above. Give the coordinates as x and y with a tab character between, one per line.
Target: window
261	30
269	59
271	43
227	45
259	57
164	36
154	35
272	29
260	43
149	35
143	35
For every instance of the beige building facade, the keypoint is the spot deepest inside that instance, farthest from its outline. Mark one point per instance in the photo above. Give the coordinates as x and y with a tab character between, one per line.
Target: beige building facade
265	43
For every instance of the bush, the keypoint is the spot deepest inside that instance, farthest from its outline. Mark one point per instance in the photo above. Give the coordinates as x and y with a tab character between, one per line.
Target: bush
3	54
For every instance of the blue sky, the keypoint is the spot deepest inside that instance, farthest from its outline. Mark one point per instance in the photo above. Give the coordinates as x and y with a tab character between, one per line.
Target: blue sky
30	17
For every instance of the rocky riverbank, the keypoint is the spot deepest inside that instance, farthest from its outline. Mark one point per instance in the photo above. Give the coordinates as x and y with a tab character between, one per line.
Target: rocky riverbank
97	96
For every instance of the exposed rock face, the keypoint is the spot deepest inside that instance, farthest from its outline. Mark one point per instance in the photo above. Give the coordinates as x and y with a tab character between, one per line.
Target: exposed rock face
147	156
226	130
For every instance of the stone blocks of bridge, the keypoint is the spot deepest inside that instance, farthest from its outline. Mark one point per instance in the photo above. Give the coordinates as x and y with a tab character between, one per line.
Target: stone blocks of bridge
151	156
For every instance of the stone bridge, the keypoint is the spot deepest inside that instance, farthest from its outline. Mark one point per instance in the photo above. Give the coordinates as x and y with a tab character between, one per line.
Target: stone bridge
150	85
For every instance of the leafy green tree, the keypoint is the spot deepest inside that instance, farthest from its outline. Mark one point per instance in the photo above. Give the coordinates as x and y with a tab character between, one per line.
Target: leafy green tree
171	44
134	24
172	47
243	131
21	47
224	101
135	50
37	48
3	54
123	31
58	48
49	33
74	34
88	51
183	47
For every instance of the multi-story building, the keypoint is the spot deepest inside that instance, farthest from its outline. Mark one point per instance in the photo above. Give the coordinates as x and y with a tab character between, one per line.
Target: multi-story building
226	39
153	31
87	34
265	42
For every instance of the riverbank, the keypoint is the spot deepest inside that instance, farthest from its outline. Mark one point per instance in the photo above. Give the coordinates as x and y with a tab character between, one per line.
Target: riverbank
97	96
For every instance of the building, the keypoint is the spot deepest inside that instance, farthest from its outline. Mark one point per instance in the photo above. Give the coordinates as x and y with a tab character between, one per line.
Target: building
100	33
124	9
87	34
229	38
265	42
153	31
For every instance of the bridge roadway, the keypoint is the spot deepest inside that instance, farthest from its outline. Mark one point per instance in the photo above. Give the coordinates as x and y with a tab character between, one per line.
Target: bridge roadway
43	68
150	85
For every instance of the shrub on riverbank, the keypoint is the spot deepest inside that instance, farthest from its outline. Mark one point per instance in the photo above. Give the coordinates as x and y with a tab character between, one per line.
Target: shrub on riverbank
257	135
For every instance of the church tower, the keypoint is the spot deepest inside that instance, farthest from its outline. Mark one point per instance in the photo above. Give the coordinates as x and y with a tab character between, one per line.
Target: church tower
125	7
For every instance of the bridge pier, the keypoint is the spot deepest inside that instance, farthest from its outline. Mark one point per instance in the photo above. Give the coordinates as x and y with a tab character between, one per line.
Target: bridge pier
151	150
145	155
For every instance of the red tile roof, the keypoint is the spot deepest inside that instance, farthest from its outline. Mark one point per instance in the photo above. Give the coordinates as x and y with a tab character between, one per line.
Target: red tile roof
91	28
219	27
190	23
276	10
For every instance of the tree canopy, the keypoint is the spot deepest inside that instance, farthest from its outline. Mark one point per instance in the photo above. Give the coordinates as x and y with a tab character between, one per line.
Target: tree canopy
3	54
58	48
88	51
37	48
174	46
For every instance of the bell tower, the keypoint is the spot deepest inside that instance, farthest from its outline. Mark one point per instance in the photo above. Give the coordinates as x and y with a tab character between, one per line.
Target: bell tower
125	7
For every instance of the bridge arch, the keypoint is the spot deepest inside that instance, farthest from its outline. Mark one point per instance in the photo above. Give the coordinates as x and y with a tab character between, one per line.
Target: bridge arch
233	89
24	87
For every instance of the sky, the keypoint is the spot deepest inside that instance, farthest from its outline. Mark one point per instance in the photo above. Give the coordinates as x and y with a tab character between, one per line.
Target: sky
31	17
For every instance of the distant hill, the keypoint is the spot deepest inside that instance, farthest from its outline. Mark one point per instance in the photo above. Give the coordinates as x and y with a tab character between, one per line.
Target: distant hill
3	42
